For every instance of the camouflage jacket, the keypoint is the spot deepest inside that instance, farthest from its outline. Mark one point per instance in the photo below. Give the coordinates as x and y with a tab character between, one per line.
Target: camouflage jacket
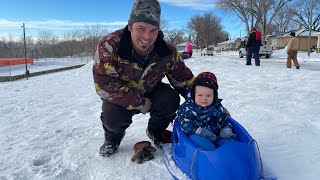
120	80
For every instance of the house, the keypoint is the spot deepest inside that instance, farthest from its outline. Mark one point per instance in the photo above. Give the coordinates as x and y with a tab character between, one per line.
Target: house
271	41
302	35
233	44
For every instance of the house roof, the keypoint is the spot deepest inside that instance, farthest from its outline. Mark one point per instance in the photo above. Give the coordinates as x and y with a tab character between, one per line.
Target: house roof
230	41
301	33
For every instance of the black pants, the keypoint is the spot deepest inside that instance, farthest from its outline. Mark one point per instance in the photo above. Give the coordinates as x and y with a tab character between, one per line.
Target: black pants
165	102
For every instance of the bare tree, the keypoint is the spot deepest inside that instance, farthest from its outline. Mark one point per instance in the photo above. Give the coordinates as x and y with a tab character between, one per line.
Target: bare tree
302	16
254	12
46	42
269	10
207	29
92	35
164	25
240	8
195	27
71	40
174	36
282	22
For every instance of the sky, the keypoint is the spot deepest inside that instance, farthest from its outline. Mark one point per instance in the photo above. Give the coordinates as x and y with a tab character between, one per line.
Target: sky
60	16
50	125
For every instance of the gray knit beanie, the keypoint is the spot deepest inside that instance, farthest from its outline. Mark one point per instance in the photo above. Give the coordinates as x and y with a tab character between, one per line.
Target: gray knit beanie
147	11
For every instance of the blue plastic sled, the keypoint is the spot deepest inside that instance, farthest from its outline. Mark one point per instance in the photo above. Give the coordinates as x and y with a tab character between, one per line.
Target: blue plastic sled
234	160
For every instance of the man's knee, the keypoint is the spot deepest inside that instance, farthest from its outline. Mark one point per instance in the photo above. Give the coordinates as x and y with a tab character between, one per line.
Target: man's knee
166	100
171	100
115	118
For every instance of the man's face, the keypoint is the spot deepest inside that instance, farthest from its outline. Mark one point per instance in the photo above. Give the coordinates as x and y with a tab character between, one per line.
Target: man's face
143	36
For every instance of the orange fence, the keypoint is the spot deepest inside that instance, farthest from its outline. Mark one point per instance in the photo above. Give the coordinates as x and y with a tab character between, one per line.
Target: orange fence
15	61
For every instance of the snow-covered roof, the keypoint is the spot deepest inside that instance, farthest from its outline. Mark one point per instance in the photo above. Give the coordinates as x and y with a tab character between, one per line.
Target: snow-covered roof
302	33
230	41
306	32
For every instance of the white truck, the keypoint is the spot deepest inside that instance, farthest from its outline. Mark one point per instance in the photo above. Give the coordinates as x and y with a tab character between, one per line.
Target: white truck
264	51
210	51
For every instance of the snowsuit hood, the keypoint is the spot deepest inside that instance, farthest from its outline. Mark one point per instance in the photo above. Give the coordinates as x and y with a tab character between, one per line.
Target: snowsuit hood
206	79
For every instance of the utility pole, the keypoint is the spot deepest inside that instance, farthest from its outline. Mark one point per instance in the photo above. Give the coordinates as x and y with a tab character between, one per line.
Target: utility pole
25	50
310	28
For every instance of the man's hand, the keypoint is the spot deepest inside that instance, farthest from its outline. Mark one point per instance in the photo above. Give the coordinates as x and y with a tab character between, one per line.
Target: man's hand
143	152
226	111
146	107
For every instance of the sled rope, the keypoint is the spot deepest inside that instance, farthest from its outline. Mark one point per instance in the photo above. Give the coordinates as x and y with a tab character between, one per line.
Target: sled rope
166	161
193	159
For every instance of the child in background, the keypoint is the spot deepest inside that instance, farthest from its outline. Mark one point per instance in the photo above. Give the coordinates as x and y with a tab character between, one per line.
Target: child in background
188	49
202	115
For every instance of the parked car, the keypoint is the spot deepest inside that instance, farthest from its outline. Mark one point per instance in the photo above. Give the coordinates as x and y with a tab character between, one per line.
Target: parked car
181	48
264	51
209	51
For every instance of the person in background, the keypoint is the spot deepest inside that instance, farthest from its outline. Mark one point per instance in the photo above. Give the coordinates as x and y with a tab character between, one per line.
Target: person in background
292	51
202	116
253	46
188	50
128	69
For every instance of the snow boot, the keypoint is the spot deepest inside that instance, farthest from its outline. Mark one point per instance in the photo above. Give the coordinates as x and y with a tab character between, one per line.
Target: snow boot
107	149
159	138
111	143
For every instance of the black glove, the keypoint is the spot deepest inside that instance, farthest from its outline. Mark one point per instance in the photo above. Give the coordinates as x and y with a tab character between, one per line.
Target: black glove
143	152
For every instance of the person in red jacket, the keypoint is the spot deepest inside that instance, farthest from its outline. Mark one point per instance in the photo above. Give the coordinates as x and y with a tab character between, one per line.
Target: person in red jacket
253	46
128	69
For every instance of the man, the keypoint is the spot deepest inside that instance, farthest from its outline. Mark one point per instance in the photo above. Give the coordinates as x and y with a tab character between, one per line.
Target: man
253	46
292	51
128	68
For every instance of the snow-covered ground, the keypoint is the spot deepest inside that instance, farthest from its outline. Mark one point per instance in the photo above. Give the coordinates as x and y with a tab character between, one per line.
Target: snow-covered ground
50	126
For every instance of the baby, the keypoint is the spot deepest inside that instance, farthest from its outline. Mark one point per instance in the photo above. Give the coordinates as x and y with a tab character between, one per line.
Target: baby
202	114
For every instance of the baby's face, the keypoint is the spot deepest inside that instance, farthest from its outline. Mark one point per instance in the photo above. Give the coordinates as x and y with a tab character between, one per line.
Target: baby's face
203	96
